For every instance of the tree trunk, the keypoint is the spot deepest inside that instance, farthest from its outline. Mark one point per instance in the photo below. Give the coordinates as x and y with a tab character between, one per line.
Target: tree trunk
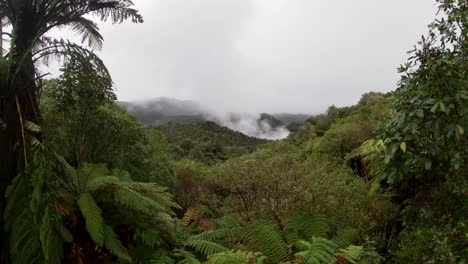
16	108
18	104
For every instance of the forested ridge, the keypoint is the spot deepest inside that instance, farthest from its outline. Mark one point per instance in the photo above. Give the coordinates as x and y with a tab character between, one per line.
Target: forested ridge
82	181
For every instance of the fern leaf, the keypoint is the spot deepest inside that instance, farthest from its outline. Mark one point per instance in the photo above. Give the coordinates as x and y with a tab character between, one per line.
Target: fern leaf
304	226
192	214
93	217
216	234
267	238
351	253
149	237
206	248
319	250
113	244
345	237
186	257
236	257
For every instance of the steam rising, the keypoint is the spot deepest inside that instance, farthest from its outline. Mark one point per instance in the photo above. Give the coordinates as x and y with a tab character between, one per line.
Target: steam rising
163	110
250	124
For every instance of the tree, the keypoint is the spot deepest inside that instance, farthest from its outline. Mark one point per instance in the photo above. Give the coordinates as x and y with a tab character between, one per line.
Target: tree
425	160
29	43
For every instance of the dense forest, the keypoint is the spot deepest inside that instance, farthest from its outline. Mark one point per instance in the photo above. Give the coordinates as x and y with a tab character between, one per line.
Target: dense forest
82	181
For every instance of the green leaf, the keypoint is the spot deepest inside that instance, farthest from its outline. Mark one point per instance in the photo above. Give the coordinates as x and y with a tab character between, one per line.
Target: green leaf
434	108
460	129
33	127
403	147
114	245
93	217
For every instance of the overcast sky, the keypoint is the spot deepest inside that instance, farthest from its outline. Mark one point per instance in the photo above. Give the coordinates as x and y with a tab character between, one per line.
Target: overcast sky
263	55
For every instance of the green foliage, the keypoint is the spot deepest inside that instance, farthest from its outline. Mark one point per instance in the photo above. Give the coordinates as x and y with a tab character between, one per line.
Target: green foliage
318	250
263	182
350	132
425	153
93	217
54	194
205	247
95	129
236	257
208	142
425	140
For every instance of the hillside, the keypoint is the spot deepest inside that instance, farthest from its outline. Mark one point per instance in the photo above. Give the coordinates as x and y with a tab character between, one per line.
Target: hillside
207	141
163	110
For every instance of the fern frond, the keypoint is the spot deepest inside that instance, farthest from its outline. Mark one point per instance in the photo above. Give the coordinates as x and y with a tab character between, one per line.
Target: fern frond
304	226
52	243
161	257
185	257
89	31
351	253
137	202
216	234
149	237
345	237
93	217
266	238
206	248
192	214
113	244
319	250
236	257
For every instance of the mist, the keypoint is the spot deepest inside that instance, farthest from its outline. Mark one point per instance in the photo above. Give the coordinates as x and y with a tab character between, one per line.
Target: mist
249	124
163	110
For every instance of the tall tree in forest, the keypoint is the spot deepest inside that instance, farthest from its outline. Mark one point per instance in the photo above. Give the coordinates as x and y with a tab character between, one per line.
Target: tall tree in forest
30	21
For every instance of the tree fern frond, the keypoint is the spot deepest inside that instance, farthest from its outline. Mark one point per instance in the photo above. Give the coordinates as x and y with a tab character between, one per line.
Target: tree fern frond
205	248
113	244
319	250
149	237
266	238
227	221
216	234
137	202
345	237
185	257
236	257
118	11
93	217
161	257
304	226
52	243
351	253
88	30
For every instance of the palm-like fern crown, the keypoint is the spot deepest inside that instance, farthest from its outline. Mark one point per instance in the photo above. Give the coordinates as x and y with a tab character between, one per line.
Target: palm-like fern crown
49	202
31	20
